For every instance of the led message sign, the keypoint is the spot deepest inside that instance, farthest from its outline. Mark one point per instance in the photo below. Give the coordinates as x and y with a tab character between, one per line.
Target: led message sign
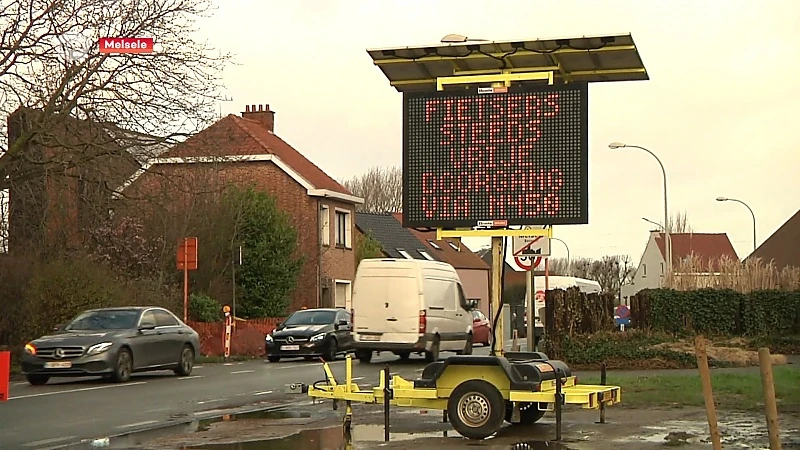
516	154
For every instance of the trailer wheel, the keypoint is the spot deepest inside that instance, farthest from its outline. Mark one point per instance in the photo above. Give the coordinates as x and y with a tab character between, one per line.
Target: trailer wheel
476	409
529	413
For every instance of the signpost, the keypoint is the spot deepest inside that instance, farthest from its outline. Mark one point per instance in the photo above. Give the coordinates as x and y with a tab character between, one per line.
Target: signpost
226	336
187	260
622	317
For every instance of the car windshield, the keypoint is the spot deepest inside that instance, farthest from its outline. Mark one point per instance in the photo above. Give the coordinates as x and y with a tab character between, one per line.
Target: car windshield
119	319
310	318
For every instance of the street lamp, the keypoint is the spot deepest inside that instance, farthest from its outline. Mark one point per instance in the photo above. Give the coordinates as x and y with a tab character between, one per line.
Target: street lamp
726	199
653	222
569	264
667	238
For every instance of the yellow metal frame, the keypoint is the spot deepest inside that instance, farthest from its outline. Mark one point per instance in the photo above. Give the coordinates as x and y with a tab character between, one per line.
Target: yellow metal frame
405	394
469	232
506	77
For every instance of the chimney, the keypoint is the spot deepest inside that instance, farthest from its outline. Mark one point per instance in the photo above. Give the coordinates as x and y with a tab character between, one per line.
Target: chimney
262	115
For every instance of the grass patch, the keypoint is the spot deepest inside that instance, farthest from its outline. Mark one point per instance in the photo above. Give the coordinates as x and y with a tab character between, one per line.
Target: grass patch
732	391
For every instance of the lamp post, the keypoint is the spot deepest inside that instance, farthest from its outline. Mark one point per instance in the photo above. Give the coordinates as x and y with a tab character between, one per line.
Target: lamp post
569	264
653	222
667	239
752	214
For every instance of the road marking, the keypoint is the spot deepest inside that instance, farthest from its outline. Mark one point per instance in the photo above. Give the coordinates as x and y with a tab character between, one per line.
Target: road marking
19	384
296	366
262	393
357	378
243	371
191	377
227	364
42	394
198	367
138	424
216	400
48	441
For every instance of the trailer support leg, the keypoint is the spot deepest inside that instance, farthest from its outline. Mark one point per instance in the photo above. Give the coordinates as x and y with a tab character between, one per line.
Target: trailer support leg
387	395
600	395
558	399
347	421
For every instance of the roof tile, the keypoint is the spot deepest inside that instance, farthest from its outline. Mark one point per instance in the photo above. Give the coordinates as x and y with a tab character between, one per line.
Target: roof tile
707	247
391	235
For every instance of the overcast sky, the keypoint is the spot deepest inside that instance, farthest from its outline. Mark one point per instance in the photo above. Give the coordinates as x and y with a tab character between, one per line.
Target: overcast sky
720	109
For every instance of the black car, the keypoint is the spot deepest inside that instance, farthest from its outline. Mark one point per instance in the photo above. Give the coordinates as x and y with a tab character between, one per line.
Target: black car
309	333
113	343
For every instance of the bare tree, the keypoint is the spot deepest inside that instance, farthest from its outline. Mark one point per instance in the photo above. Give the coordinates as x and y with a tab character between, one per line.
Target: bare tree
380	187
611	272
679	223
51	69
559	267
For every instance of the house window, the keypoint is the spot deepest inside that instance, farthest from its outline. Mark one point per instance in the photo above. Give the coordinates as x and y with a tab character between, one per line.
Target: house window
644	270
434	245
404	253
343	231
455	247
662	268
325	225
425	255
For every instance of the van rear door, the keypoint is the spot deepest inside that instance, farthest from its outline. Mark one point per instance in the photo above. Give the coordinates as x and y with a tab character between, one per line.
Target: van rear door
388	306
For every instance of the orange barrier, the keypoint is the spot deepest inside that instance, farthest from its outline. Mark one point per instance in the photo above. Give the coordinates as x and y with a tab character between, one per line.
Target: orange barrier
5	374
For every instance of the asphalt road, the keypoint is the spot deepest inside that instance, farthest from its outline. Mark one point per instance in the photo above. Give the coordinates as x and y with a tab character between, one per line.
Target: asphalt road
69	410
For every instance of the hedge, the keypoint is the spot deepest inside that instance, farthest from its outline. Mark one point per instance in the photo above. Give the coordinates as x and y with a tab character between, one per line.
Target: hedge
717	312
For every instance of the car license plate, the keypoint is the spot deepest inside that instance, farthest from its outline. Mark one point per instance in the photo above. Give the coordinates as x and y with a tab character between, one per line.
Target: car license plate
58	365
290	347
370	337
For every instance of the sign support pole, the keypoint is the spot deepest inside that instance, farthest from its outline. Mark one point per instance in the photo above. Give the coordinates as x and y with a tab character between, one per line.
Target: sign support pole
529	305
497	293
185	280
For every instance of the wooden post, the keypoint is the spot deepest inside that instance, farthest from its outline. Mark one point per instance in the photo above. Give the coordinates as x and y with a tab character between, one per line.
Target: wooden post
185	281
496	293
770	405
705	378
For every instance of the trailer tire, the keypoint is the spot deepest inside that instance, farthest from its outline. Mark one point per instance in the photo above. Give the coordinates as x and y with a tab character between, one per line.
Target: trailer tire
364	356
476	409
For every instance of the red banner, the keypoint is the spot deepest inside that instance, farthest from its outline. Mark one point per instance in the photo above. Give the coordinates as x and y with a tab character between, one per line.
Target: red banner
5	374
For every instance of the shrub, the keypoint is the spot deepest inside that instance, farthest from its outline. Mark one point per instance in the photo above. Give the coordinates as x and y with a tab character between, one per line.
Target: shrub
203	308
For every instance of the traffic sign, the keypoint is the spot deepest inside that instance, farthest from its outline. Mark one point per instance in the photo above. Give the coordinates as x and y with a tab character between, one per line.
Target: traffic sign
527	262
623	312
531	246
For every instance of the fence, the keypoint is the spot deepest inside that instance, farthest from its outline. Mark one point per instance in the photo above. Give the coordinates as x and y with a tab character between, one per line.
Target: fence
570	312
247	338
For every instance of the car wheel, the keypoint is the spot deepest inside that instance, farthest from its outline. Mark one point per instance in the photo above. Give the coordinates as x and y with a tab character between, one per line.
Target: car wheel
186	363
273	358
433	354
476	409
124	366
364	356
37	380
330	351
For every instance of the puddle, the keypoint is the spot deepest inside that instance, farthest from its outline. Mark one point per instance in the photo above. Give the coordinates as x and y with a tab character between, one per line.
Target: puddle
363	437
280	414
738	431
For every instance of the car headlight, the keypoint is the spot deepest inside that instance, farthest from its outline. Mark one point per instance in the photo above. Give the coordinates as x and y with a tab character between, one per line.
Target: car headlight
30	349
99	348
269	338
317	337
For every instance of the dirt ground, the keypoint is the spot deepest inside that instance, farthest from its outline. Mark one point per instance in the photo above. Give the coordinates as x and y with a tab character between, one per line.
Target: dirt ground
732	352
319	428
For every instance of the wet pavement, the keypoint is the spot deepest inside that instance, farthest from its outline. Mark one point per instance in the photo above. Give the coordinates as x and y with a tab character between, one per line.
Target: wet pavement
317	427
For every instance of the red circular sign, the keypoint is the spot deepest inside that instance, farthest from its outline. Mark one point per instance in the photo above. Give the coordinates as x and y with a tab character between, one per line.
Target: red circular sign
524	262
623	312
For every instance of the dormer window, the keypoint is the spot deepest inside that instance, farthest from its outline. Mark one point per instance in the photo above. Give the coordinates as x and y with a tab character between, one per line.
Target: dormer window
425	255
455	247
404	253
434	244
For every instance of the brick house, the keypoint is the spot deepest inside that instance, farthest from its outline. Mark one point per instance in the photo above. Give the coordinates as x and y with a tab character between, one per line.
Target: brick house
245	150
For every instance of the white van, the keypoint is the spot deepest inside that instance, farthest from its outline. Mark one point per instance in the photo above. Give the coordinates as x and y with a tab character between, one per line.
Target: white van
409	306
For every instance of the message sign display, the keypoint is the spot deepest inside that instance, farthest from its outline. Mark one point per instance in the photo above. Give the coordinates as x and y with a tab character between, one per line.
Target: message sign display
517	154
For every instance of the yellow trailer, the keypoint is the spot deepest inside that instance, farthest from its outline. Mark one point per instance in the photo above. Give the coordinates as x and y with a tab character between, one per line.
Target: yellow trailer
477	393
